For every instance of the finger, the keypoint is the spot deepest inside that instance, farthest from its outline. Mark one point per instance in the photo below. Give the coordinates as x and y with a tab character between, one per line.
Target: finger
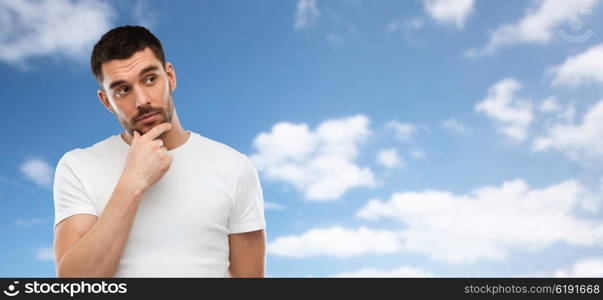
135	133
157	130
159	142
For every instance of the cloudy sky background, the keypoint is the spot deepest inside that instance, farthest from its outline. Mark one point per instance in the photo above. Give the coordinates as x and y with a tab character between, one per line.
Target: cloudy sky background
393	138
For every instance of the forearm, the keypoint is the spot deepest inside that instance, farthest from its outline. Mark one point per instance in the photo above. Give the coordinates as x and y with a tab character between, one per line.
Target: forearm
255	270
97	253
247	254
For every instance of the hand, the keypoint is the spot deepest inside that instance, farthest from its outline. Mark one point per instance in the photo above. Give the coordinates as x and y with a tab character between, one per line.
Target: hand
148	160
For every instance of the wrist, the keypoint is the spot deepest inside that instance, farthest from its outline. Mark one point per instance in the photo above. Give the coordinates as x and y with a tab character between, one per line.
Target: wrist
130	186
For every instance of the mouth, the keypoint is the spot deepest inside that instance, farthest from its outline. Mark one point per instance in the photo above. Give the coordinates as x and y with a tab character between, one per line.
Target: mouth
148	117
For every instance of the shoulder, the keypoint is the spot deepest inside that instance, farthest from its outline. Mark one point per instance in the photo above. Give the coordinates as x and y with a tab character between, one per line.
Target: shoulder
223	158
219	151
86	154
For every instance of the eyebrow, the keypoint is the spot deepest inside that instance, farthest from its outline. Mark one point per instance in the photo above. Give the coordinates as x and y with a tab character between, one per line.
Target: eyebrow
145	70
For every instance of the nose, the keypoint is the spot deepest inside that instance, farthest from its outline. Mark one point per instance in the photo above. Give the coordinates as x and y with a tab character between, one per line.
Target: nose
142	99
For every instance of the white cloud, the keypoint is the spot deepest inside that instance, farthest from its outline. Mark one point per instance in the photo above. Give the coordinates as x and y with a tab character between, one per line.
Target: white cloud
417	154
389	158
454	125
50	27
446	12
21	222
581	68
273	206
581	141
38	171
321	162
490	222
549	105
402	131
406	25
403	271
537	25
512	115
335	241
306	13
567	115
45	253
588	267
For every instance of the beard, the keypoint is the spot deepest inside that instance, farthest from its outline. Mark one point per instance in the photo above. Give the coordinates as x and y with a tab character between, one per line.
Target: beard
164	116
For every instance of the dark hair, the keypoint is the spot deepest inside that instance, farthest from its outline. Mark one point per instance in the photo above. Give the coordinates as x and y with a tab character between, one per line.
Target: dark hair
121	43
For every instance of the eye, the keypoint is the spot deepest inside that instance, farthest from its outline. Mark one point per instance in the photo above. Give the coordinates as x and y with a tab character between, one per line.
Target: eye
150	80
122	91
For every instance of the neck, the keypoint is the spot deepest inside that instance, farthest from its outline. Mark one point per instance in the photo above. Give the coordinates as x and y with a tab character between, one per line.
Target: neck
172	138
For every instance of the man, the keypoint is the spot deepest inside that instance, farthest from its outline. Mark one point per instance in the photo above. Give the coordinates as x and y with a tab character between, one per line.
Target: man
155	200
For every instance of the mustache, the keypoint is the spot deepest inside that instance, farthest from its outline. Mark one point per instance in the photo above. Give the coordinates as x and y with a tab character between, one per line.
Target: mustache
146	110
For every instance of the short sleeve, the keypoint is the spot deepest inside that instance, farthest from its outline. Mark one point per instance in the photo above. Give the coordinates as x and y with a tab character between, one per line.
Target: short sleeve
70	194
248	205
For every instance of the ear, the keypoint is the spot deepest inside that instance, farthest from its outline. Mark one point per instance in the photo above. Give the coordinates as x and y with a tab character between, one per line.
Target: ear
171	74
102	96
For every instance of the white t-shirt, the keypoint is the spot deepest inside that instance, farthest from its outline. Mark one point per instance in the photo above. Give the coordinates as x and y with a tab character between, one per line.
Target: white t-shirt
182	224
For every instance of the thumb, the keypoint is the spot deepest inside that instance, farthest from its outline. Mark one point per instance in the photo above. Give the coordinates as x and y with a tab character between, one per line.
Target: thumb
136	133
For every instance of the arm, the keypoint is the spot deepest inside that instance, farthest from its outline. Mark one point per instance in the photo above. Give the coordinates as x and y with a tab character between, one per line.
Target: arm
247	254
87	246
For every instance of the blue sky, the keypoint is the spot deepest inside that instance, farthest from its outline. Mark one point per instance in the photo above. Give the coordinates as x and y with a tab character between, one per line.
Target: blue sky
392	138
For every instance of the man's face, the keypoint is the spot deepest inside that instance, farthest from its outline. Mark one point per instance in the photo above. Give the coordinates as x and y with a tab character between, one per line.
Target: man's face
138	90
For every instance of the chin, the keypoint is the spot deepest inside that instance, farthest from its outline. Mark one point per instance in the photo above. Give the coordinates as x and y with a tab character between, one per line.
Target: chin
147	128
